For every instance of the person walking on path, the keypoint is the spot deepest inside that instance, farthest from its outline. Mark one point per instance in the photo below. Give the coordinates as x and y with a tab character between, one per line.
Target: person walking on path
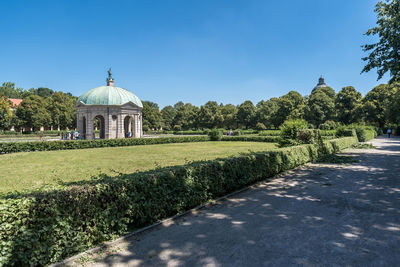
389	132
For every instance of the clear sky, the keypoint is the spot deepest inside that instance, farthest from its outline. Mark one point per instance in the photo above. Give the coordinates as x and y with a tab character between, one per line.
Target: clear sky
193	51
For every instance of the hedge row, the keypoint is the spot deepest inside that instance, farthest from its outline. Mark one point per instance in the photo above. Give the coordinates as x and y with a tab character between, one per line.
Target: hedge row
12	147
42	227
270	133
268	139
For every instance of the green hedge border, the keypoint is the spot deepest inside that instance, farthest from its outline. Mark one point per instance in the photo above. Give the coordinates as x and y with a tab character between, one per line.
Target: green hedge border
42	227
13	147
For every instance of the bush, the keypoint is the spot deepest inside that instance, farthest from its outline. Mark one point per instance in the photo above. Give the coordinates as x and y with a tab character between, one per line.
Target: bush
44	226
260	126
343	131
290	132
328	125
270	133
215	135
12	147
177	127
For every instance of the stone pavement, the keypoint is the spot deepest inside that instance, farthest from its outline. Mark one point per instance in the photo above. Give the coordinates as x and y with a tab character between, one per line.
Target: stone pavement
316	215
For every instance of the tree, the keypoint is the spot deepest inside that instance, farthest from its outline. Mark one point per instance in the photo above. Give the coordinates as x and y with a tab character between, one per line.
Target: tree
5	113
321	106
33	113
186	117
290	106
44	92
266	111
9	90
229	119
209	116
393	105
385	54
246	114
168	114
348	105
377	103
62	110
151	115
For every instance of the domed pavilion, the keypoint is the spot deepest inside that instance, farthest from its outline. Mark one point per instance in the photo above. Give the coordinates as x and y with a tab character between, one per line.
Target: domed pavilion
321	83
118	111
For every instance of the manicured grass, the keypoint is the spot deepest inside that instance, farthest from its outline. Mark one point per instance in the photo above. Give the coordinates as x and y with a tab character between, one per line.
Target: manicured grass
33	169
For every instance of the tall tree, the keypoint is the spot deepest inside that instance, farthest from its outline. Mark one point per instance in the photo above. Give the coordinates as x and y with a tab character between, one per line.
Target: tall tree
377	104
44	92
348	105
290	106
209	116
321	106
5	113
266	110
228	113
62	110
385	54
33	113
168	114
9	90
246	114
151	115
186	117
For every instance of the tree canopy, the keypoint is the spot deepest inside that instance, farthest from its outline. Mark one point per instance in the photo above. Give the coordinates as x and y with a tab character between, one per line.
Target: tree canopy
385	54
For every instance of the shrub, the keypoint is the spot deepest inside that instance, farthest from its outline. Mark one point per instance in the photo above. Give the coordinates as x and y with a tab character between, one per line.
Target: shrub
343	131
290	132
12	147
177	127
328	125
260	126
44	226
215	135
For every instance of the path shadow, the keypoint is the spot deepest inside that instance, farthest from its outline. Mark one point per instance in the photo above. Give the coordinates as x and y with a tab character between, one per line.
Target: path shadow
320	214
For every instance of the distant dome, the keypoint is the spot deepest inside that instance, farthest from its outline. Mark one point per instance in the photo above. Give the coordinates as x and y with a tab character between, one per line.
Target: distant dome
321	83
110	96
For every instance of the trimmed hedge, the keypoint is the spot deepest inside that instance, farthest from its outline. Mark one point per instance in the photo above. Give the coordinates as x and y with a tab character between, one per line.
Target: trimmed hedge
42	227
12	147
270	133
268	139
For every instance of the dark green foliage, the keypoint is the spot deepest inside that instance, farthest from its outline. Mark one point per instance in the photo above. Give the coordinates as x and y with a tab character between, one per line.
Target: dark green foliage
215	135
12	147
384	55
44	226
328	125
343	131
270	133
290	132
260	126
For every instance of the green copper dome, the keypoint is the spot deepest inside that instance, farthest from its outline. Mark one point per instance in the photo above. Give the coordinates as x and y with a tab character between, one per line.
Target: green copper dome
109	95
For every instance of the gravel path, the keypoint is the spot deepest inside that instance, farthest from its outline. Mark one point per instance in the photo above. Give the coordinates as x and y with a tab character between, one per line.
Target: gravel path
316	215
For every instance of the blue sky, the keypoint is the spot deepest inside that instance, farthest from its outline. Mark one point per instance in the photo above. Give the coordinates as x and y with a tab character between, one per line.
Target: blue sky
193	51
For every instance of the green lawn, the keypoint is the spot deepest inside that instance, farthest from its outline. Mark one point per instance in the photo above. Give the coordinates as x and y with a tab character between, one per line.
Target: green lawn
34	169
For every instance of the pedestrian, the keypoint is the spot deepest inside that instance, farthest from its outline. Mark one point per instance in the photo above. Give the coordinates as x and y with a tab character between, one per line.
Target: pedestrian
389	132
